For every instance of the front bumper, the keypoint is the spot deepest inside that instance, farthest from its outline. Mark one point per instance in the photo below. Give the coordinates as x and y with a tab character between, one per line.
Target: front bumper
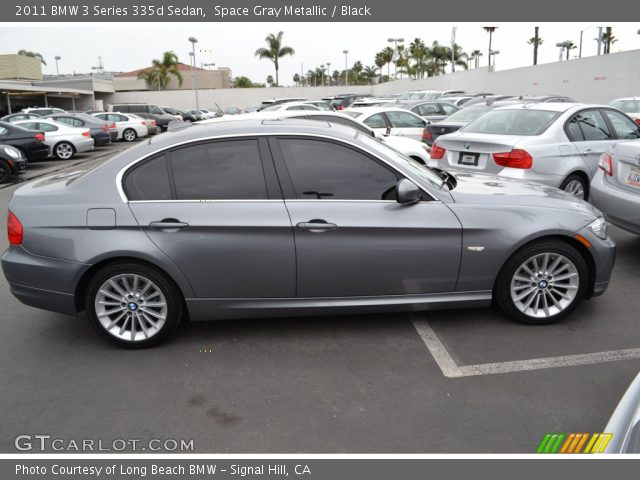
39	152
102	138
621	207
42	282
603	254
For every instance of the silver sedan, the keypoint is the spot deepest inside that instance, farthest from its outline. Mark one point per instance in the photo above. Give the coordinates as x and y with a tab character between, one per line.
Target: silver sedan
258	218
558	144
615	189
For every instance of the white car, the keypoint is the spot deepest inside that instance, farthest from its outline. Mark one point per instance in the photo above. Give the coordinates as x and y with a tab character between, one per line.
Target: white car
63	141
207	113
43	111
390	121
291	106
129	127
411	148
630	106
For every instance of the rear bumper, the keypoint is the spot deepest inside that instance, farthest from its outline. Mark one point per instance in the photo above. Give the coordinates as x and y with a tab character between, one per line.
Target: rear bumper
621	207
42	282
84	145
102	138
113	134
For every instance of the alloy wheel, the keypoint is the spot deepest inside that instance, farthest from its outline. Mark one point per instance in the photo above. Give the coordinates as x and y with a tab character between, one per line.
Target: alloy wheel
129	135
545	285
131	307
575	188
64	151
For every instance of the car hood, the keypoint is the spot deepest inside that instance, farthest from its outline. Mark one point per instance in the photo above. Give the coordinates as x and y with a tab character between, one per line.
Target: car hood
478	188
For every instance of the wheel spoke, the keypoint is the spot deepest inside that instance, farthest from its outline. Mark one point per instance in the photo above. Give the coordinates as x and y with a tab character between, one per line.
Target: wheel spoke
117	288
525	294
564	277
115	322
153	314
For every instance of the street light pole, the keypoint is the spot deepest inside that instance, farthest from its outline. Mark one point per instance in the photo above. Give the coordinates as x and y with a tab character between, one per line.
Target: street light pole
57	58
322	75
193	41
493	53
329	73
395	42
346	67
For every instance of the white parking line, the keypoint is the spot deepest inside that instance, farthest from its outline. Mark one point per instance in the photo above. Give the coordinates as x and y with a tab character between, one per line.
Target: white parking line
452	370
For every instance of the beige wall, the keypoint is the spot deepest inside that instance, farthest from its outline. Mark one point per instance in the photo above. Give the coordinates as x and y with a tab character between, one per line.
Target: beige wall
210	79
20	67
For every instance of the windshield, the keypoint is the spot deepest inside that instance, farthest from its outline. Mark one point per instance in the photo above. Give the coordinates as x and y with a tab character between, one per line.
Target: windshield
422	171
469	114
513	122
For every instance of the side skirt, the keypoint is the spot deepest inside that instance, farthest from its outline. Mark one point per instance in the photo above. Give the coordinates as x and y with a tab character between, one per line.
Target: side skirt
202	309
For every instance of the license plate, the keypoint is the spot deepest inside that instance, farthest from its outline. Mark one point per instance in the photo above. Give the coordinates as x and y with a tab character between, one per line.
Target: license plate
469	159
633	177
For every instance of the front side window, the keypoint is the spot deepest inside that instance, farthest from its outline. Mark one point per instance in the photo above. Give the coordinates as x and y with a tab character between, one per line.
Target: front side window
591	124
624	127
229	170
326	170
448	109
148	181
404	120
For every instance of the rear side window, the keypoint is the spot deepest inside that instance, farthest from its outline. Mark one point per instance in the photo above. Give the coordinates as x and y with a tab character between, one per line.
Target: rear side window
405	120
622	125
592	126
229	170
376	121
148	181
448	109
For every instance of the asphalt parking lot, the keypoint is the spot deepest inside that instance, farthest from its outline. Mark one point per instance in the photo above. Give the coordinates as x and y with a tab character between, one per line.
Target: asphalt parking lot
463	381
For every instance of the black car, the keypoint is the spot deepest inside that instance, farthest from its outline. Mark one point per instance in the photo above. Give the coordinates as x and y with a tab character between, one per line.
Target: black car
151	112
16	117
12	162
340	102
30	143
461	118
188	116
99	129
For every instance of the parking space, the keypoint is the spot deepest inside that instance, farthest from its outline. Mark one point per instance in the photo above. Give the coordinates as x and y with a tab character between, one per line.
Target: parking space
364	383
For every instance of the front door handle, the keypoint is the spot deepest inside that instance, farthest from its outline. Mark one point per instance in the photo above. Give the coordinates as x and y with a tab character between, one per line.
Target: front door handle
168	224
317	226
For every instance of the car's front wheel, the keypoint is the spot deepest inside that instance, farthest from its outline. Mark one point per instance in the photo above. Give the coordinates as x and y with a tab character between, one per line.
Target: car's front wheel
133	305
129	135
542	283
5	171
64	151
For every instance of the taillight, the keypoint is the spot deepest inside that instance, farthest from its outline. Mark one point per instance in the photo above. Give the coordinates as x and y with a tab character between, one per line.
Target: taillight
426	135
39	137
339	107
437	152
113	125
104	128
86	134
14	229
516	158
606	163
143	123
638	121
153	122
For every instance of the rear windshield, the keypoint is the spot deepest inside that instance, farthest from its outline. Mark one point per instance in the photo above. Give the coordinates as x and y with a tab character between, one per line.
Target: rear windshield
469	114
513	122
627	106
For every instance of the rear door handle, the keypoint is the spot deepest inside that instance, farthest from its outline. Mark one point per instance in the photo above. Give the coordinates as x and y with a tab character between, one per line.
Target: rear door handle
168	224
317	226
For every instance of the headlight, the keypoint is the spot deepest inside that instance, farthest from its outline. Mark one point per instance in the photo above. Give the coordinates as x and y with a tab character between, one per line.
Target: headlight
599	227
12	152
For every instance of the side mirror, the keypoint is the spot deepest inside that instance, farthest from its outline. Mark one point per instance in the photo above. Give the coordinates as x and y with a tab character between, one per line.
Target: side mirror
407	192
387	131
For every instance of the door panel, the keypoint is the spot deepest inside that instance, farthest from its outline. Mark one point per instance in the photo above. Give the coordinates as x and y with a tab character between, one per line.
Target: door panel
591	135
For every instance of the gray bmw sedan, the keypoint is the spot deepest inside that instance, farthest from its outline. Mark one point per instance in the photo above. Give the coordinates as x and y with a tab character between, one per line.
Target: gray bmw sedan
260	218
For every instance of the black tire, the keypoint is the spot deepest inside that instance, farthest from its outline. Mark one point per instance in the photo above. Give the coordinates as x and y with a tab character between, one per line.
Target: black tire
128	133
5	171
174	303
502	291
571	181
66	147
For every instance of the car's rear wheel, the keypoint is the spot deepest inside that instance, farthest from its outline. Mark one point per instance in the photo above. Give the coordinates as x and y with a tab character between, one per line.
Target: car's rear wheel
129	135
576	185
542	283
5	171
133	305
64	151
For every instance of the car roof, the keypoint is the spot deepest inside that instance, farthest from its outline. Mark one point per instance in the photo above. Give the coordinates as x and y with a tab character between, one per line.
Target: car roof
551	106
373	110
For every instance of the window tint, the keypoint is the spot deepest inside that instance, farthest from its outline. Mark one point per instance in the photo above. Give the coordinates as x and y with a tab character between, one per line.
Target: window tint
627	106
376	121
148	181
405	120
573	130
623	126
103	116
593	125
45	127
229	170
325	170
3	131
29	125
426	109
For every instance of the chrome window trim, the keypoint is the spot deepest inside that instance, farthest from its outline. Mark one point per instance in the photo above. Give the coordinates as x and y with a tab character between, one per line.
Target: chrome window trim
123	170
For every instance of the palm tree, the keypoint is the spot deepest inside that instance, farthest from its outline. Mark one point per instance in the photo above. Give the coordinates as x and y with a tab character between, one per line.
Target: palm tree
536	41
440	56
270	80
570	46
490	31
158	75
608	38
151	77
380	62
370	73
27	53
419	53
475	55
402	59
387	55
275	51
336	75
459	57
296	79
